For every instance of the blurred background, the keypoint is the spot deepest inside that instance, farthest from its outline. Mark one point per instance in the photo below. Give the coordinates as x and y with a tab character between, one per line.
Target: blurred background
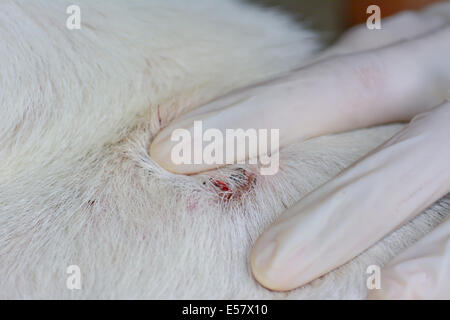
332	17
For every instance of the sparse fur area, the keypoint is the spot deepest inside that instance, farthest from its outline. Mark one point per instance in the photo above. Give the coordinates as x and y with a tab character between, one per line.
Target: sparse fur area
78	110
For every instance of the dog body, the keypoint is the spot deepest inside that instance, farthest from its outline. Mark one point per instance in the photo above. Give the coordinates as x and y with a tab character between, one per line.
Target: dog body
79	109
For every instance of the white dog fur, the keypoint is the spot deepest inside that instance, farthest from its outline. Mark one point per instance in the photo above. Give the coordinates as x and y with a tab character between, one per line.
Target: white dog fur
77	187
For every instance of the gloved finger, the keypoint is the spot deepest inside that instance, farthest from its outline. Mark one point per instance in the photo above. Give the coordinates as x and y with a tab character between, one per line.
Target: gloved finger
400	27
420	272
393	83
356	209
439	8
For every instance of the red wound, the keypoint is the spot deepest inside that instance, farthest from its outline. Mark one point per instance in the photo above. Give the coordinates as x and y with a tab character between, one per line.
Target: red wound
244	182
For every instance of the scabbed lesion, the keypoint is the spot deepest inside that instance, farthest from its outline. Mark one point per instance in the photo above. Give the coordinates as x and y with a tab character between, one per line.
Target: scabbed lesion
233	186
226	186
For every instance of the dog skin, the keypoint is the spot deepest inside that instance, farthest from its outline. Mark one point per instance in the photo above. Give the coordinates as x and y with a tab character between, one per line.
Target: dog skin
79	109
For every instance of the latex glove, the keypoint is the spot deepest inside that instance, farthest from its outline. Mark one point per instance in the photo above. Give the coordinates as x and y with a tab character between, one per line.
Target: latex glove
353	211
379	193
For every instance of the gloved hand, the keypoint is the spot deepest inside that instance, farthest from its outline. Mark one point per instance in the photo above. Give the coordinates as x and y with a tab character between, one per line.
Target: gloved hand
367	78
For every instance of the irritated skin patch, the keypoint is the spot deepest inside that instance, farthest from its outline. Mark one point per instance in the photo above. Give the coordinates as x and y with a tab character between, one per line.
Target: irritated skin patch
240	183
227	189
